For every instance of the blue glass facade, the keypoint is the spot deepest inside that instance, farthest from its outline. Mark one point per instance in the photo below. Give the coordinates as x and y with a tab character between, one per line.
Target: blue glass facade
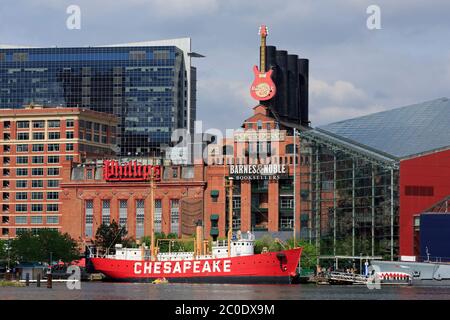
145	86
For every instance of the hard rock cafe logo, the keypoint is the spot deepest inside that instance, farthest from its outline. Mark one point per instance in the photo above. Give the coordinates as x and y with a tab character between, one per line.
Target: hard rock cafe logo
130	171
263	87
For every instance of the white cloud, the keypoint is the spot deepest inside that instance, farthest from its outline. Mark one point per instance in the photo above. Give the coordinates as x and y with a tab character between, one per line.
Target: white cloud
339	92
329	114
337	101
156	8
174	8
224	103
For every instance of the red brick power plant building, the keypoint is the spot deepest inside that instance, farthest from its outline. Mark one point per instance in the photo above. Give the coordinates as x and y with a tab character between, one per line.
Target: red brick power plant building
185	194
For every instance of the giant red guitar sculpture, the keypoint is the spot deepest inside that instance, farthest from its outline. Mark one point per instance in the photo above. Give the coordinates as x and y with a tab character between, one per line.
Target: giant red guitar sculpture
262	88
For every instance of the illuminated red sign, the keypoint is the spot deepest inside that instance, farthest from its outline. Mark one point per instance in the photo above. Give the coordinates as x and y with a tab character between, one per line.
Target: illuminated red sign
131	171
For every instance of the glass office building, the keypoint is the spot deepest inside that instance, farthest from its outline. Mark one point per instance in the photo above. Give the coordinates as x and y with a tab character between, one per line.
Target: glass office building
350	199
150	86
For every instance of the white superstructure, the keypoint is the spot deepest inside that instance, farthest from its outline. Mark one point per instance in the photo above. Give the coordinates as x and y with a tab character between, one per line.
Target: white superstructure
240	246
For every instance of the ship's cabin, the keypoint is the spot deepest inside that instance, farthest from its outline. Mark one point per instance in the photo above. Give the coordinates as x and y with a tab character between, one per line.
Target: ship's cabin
241	245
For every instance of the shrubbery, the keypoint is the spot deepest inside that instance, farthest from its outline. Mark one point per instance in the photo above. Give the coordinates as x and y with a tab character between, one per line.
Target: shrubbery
309	253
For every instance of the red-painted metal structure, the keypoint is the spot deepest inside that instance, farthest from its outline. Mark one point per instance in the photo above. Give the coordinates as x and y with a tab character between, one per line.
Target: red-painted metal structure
424	180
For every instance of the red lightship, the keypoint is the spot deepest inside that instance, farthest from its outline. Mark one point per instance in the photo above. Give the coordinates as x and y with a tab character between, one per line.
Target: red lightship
241	266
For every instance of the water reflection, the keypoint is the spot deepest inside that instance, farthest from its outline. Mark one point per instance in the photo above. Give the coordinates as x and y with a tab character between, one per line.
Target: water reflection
134	291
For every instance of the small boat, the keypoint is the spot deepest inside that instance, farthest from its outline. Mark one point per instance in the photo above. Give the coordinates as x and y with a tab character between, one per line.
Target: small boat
160	281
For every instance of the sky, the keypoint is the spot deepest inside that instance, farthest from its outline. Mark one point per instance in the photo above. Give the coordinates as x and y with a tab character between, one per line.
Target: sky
353	70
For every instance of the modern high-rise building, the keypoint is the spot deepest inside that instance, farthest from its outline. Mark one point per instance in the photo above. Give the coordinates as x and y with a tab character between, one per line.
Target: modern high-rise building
150	86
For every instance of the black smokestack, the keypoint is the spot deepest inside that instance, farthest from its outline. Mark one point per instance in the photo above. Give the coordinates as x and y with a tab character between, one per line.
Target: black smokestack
271	63
282	77
303	78
293	89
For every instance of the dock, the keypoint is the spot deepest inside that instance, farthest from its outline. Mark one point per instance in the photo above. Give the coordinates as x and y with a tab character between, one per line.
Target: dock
346	278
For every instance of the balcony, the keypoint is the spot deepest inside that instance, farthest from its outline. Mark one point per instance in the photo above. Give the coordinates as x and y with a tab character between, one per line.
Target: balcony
286	189
259	227
256	208
286	210
260	189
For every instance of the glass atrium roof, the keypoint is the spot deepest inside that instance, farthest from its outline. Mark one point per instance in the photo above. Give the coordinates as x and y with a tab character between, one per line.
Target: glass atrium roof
400	132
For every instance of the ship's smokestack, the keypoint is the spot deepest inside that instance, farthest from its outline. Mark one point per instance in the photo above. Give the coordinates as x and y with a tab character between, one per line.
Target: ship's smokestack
199	238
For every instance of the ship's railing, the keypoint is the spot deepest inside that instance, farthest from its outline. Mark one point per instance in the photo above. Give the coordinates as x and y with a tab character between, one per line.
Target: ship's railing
433	259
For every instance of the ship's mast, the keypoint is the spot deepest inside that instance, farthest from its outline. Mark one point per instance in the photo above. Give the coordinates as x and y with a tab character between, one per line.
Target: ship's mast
152	213
230	213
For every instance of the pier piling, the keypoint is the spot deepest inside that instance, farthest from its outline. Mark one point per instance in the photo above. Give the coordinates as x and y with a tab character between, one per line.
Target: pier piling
49	281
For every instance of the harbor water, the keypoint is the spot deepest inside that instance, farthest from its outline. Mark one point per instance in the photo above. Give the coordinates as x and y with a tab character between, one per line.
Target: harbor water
146	291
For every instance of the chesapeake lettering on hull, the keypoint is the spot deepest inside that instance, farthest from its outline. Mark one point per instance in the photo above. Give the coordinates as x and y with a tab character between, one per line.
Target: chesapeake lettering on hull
182	267
257	171
130	171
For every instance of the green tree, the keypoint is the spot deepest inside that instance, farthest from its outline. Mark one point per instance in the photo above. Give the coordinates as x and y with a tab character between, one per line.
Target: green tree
108	235
309	253
3	251
31	247
267	242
